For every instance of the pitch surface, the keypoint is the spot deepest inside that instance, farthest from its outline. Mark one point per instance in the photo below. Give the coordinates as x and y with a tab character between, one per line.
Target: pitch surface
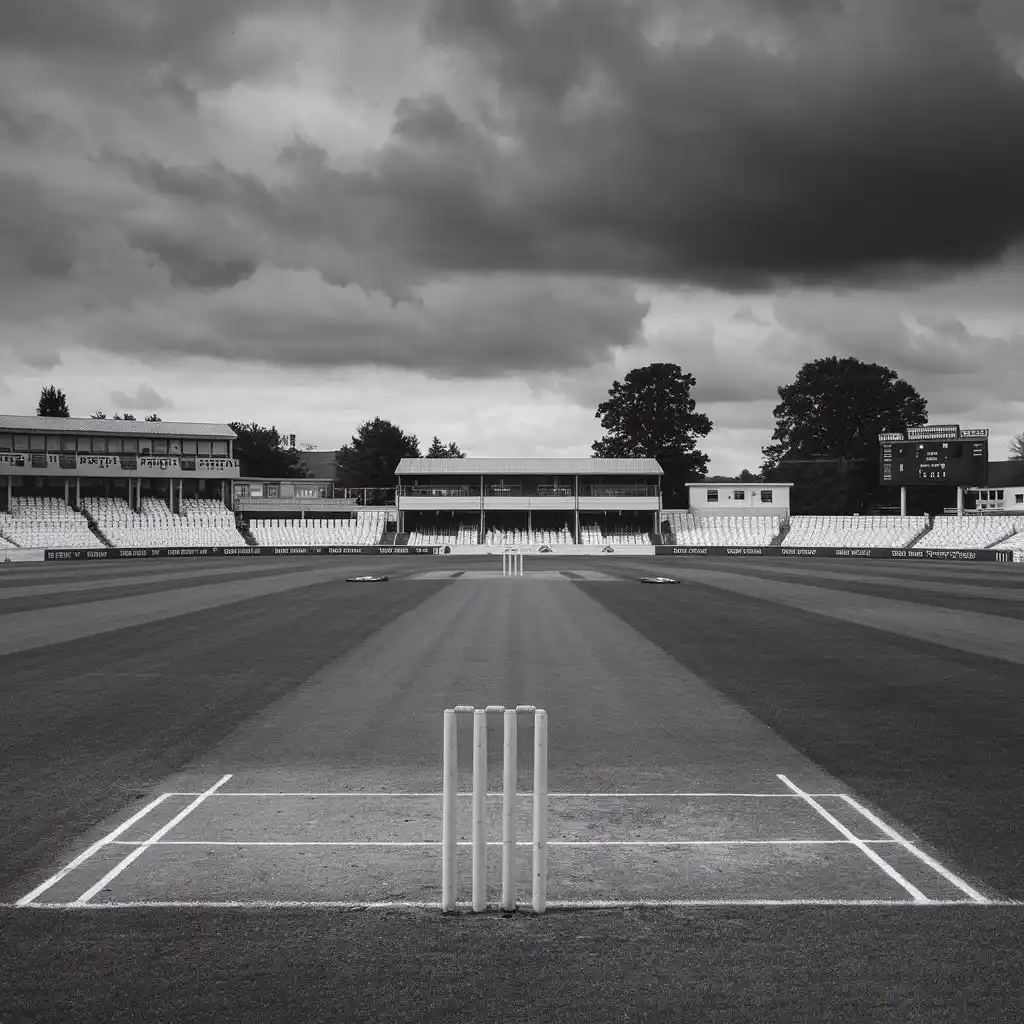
900	685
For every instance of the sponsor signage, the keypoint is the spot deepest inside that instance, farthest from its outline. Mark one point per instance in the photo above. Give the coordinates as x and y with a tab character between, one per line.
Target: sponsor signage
912	554
79	554
974	432
955	555
894	436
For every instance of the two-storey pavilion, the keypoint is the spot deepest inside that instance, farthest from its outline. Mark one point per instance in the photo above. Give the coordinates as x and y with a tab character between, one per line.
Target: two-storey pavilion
72	458
532	494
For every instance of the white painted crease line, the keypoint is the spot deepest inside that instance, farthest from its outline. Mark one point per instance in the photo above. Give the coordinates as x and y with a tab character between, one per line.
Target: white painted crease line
596	795
552	842
861	845
110	837
139	850
466	904
973	893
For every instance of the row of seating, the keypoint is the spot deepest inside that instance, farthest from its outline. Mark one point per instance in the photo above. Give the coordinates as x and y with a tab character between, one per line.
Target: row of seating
45	522
204	523
366	528
974	532
723	531
853	531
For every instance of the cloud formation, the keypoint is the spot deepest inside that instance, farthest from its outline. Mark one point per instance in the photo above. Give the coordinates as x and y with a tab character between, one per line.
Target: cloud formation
482	189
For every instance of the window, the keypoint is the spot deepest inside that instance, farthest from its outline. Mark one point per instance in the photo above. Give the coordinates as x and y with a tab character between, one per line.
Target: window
129	445
739	495
99	445
160	446
5	442
37	443
113	446
712	496
85	445
1019	499
766	497
999	495
145	446
220	448
21	442
204	449
173	446
53	444
188	448
67	444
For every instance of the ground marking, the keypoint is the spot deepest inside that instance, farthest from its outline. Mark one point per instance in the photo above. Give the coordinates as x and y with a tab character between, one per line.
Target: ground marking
139	850
311	793
864	848
553	842
467	904
85	855
975	896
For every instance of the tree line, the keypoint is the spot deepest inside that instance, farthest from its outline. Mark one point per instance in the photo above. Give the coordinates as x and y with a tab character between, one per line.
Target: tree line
825	440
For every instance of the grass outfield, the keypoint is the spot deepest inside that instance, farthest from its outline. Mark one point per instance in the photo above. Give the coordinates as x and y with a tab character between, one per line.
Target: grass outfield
898	686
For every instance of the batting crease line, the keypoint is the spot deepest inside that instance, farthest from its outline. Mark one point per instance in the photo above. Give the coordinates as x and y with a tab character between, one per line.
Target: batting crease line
975	896
529	793
139	850
864	848
552	842
552	904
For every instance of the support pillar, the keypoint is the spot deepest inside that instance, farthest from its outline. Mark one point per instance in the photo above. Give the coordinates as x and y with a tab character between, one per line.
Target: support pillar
959	501
576	508
67	493
223	496
8	494
903	501
78	492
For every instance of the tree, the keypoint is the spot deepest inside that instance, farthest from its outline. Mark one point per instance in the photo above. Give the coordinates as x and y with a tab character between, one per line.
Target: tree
1017	448
153	418
98	415
746	477
650	414
439	450
53	402
261	453
372	457
126	416
827	427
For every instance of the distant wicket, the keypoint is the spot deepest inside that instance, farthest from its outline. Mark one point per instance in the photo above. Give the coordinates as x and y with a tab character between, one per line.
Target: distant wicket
449	827
511	562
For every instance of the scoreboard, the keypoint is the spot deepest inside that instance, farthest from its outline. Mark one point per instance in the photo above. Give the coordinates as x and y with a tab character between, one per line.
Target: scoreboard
934	455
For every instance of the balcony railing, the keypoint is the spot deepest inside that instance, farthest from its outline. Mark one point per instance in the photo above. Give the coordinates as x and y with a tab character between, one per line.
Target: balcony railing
441	491
618	491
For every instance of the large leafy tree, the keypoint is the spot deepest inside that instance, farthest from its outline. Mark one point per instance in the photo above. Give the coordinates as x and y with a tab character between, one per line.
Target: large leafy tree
372	456
439	450
651	414
261	453
826	431
53	402
1017	448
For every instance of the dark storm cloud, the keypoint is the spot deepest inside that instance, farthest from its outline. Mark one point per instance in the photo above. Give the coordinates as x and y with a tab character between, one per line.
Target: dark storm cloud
36	240
867	135
884	132
190	266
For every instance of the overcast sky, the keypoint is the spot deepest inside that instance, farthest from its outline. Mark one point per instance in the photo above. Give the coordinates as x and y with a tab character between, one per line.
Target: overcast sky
471	216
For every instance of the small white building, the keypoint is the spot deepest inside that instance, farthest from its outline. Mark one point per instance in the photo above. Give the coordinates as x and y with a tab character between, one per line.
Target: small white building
738	499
